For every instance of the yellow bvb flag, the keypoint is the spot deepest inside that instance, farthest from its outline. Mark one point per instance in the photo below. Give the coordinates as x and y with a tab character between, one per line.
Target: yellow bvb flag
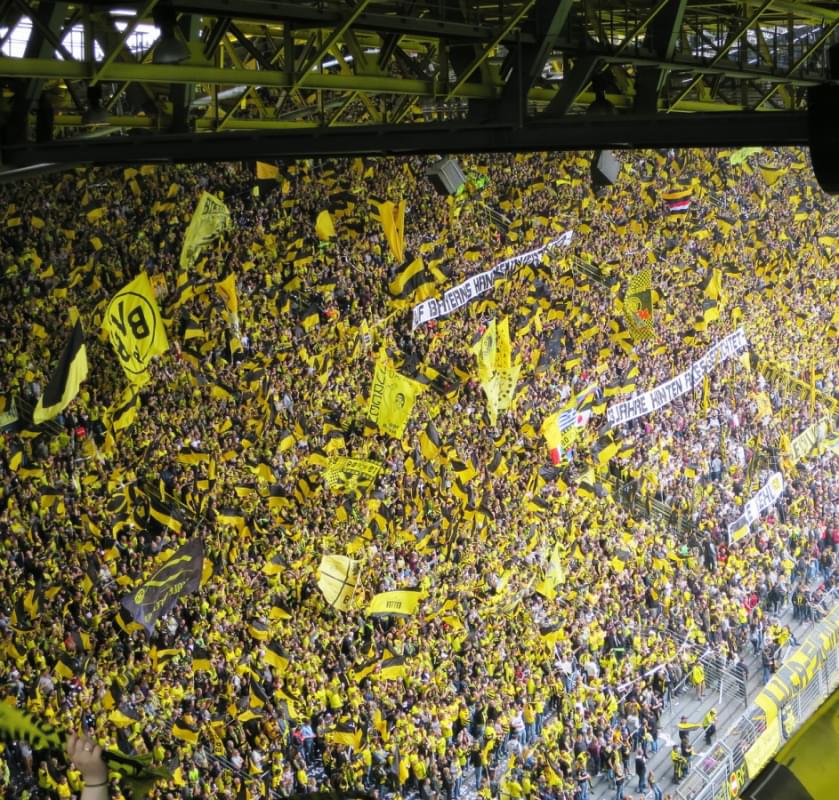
392	399
134	326
210	218
337	579
638	305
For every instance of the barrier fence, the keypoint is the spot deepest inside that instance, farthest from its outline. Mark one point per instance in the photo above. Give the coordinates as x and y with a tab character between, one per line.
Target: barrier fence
805	680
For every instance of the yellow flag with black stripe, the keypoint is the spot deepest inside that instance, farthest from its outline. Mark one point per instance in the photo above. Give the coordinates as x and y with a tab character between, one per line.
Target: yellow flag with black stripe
66	379
180	575
135	327
638	305
337	579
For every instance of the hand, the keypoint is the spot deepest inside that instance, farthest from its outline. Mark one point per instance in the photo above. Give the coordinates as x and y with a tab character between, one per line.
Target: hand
87	756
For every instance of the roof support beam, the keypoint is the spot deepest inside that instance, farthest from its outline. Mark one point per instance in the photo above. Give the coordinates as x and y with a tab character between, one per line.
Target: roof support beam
482	56
572	85
755	16
800	62
582	132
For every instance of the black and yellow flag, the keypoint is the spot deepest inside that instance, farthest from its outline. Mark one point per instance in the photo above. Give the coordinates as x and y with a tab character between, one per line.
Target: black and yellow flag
350	475
414	280
394	604
184	731
210	218
638	305
135	327
337	579
64	383
392	399
180	575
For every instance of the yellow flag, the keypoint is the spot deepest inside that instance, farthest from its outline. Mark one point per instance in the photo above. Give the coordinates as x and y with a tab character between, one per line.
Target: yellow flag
392	399
638	305
392	217
485	349
135	328
211	217
226	290
508	378
503	346
394	604
324	227
337	579
266	172
713	286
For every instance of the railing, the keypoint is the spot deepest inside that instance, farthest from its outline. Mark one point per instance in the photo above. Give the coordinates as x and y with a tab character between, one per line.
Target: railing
626	493
739	755
589	270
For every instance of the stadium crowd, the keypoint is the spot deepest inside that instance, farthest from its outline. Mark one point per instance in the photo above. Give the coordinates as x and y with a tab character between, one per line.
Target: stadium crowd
554	622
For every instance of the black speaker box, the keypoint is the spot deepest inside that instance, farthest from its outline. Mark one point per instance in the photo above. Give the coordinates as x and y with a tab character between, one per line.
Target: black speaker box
446	176
605	169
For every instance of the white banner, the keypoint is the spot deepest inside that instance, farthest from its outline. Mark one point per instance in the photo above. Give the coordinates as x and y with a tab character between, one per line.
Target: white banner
640	405
458	296
764	499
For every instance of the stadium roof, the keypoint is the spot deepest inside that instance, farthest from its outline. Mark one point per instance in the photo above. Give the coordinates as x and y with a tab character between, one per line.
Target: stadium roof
210	79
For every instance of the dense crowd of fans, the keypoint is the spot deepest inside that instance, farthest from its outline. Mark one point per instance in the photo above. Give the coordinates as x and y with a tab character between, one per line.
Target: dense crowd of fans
525	692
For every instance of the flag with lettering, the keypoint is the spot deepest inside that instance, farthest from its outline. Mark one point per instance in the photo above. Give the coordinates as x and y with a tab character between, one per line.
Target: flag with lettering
179	576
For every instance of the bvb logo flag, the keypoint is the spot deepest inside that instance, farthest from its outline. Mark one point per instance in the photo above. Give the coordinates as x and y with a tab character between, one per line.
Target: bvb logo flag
392	399
351	475
211	217
638	305
485	349
179	576
337	579
135	328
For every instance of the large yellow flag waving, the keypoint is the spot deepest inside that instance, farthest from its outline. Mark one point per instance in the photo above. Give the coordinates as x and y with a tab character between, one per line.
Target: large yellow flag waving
337	579
211	217
135	328
392	399
226	290
392	217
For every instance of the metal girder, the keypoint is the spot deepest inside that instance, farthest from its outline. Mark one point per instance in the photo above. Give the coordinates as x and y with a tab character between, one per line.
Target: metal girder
724	49
548	16
333	37
662	37
577	78
800	62
304	15
126	35
583	132
482	56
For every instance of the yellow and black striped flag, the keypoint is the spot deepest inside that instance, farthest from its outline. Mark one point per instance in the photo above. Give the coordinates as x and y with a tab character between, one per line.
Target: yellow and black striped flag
638	305
180	575
184	731
337	579
64	383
